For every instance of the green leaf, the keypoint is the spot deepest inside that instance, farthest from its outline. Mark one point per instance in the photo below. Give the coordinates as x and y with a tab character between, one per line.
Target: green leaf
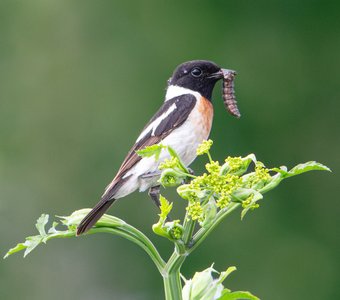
149	151
53	228
40	225
17	248
30	243
165	207
227	295
71	222
308	166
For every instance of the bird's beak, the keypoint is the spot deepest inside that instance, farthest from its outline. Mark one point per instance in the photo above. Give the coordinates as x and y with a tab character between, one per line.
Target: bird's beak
222	73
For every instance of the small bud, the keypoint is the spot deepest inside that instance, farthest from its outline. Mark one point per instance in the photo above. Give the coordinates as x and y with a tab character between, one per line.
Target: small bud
204	147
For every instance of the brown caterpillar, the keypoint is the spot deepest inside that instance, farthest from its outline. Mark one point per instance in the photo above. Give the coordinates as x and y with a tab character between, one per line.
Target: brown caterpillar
229	98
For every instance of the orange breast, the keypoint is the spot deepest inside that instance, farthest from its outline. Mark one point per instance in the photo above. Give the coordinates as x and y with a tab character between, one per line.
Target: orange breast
206	112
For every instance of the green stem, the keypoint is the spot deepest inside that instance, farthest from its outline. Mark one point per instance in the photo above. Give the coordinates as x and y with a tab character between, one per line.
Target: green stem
209	156
138	238
171	276
172	286
189	227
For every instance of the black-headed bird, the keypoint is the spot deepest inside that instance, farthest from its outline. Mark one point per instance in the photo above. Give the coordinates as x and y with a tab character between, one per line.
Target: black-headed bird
183	122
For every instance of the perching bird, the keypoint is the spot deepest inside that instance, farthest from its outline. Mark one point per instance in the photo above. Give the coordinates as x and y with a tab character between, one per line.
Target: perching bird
183	122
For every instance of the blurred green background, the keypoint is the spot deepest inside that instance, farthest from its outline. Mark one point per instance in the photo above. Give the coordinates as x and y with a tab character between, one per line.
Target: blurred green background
78	81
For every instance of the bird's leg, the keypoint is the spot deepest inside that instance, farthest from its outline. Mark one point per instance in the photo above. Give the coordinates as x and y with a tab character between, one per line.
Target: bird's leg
154	193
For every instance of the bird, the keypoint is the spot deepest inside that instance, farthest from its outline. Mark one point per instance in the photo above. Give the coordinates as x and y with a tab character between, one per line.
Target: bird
183	121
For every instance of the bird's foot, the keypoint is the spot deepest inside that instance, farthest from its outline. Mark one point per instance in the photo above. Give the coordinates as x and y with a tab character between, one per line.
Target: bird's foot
154	193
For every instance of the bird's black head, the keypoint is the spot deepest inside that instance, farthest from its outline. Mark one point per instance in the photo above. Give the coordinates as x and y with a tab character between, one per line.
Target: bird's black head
197	75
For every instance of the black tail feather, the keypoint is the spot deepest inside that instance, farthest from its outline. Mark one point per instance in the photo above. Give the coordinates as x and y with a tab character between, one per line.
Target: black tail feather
94	215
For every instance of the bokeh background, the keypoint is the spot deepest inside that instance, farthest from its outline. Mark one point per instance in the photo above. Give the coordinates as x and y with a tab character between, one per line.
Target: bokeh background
79	79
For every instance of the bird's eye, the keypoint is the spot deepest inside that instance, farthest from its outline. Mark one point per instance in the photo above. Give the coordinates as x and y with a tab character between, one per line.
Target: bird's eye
196	72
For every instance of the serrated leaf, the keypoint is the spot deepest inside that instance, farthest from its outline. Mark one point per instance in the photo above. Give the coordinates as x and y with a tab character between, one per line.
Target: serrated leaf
53	228
240	295
165	207
41	222
31	243
149	151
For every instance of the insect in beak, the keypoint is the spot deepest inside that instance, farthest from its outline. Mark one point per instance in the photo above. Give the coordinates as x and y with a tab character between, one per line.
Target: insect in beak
228	94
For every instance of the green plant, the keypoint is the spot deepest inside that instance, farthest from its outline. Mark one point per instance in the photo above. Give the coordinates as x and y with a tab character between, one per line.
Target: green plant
210	198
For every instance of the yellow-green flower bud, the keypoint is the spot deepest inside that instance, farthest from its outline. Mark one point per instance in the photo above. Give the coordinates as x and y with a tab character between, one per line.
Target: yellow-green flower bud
171	163
195	211
204	147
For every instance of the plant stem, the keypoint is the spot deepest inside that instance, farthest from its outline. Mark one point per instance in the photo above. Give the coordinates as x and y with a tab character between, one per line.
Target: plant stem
172	285
171	276
189	226
140	240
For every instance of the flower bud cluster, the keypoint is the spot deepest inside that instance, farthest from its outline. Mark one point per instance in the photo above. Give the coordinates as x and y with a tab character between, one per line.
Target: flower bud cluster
214	190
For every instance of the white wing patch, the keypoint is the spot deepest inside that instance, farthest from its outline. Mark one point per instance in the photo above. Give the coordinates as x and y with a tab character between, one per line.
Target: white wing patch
153	126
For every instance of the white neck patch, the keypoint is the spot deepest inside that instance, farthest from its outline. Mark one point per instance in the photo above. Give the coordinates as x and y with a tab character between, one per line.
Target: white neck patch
175	91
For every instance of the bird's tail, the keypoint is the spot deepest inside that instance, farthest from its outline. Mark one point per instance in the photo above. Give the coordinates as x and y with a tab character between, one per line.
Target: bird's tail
94	215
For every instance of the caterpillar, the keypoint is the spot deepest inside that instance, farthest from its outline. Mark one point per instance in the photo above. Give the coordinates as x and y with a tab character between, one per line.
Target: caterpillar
228	94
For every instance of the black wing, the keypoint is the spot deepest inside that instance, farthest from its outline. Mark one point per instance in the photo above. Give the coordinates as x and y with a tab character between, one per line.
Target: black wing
170	116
